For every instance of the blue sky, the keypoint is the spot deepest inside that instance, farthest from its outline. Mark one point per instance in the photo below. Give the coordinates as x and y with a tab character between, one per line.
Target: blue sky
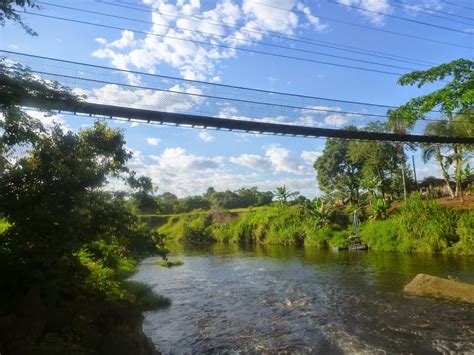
187	161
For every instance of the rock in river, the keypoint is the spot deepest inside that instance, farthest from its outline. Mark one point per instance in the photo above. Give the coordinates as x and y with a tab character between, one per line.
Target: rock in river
432	286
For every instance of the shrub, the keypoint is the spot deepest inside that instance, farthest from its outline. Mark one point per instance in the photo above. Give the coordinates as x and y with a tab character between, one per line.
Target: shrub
198	229
465	231
169	263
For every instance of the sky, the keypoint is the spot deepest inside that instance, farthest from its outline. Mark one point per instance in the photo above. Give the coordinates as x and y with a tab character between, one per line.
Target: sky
187	161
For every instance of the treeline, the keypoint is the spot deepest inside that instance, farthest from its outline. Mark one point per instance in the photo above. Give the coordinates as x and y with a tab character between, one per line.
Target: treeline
168	203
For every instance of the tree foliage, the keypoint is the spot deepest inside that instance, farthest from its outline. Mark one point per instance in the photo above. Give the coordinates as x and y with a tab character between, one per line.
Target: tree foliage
66	237
8	12
336	172
457	96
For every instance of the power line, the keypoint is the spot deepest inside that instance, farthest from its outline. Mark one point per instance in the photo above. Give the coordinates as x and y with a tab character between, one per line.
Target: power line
230	37
274	34
168	78
219	45
202	82
420	10
401	18
367	27
454	4
434	10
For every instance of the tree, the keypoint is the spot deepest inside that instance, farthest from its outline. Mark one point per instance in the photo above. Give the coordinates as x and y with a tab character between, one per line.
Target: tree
144	199
336	173
282	194
456	97
64	231
437	151
379	163
8	12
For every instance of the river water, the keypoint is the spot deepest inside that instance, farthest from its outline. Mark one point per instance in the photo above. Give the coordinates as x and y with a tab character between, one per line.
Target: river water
268	299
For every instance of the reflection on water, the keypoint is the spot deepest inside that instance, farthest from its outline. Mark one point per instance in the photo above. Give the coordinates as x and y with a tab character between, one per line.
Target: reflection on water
228	298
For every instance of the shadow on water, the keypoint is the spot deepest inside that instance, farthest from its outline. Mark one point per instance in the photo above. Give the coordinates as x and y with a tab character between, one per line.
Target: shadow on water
260	298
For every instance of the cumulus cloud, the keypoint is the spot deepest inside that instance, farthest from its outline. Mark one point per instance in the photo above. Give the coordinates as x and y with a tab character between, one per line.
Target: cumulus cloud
282	161
153	141
382	6
336	119
252	161
177	98
177	160
206	137
170	39
49	120
277	159
185	174
310	156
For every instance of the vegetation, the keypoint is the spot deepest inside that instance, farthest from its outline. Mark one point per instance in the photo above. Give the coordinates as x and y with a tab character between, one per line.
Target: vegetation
169	263
455	102
66	246
421	225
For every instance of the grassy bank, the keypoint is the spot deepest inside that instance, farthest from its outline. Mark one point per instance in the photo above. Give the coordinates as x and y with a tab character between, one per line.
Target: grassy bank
418	226
423	226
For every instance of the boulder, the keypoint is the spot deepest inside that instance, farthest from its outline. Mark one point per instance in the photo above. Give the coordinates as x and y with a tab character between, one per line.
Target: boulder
432	286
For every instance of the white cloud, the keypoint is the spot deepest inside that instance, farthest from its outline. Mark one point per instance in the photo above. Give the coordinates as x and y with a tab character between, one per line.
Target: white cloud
382	6
310	156
177	160
336	119
276	159
205	136
178	98
194	60
252	161
281	160
313	20
186	174
153	141
49	120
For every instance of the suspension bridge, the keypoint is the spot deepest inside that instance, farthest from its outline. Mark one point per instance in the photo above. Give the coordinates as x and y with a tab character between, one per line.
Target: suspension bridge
159	99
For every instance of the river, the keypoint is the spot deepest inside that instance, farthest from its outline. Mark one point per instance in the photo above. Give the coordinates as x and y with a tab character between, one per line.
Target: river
268	299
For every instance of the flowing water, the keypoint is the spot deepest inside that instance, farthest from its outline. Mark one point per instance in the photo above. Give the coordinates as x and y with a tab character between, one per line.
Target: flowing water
266	299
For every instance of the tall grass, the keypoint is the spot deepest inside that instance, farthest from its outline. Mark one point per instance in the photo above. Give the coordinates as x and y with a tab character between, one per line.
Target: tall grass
422	226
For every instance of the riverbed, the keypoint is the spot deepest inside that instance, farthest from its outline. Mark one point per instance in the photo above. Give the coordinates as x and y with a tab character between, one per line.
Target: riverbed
269	299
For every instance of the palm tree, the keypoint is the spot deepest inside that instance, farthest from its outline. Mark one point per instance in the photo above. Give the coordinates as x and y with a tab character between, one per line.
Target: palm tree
282	194
455	126
434	150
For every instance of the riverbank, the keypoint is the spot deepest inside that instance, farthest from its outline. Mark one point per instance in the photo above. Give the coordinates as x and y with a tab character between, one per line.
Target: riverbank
103	314
418	226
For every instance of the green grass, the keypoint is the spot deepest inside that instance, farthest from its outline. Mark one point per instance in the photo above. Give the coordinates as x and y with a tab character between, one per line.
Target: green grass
422	226
169	263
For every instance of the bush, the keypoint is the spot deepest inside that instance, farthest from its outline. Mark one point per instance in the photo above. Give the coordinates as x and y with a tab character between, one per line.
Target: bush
143	296
169	263
465	231
198	229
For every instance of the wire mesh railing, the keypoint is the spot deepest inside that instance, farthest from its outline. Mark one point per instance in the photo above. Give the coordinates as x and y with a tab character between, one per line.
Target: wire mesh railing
131	89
